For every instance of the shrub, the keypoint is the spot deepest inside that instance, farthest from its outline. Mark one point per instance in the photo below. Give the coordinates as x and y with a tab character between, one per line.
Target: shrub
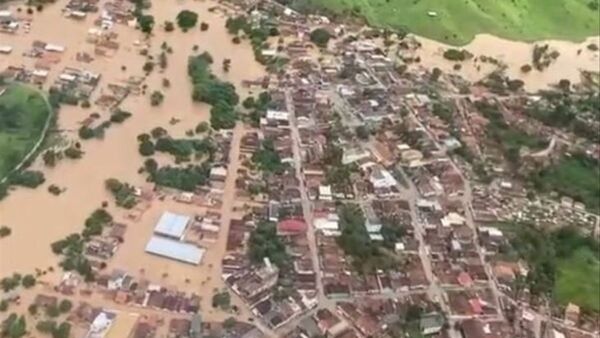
526	68
73	153
204	26
455	54
5	231
169	26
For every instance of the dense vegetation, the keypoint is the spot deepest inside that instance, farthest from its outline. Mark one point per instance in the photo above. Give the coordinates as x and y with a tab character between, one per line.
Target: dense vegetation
457	22
366	255
267	159
183	178
264	242
123	193
219	94
576	176
574	112
562	264
72	247
509	138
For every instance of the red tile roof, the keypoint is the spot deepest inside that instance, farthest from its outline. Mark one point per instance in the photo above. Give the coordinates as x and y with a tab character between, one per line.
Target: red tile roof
293	226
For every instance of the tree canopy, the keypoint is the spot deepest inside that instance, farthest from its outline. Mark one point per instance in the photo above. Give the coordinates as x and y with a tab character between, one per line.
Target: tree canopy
187	19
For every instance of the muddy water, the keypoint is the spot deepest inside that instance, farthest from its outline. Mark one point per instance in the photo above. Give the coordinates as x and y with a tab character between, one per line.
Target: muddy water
515	54
38	218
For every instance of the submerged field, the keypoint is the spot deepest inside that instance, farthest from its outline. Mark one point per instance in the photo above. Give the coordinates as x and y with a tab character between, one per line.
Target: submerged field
23	113
458	21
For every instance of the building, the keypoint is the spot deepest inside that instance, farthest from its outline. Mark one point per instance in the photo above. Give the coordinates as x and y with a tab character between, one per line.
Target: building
179	251
291	227
101	325
172	225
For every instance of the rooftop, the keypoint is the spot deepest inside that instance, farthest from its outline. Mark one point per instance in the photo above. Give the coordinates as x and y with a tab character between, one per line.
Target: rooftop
184	252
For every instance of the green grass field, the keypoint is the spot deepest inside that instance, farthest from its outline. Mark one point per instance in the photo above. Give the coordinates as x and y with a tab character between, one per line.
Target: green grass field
458	21
23	113
578	280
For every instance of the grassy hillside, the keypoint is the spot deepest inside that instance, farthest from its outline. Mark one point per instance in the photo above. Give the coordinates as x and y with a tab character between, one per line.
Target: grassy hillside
458	21
23	113
578	279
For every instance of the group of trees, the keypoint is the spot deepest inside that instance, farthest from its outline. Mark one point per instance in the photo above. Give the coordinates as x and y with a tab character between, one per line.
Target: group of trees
456	54
51	327
209	89
27	178
355	241
258	33
72	247
267	159
257	107
181	149
510	139
123	193
14	326
12	282
574	112
264	242
183	178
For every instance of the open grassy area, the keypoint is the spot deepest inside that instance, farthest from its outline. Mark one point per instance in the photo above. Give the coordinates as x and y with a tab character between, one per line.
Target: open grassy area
578	279
458	21
23	113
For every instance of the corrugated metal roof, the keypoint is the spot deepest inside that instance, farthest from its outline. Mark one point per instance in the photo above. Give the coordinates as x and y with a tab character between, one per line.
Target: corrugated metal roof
184	252
172	225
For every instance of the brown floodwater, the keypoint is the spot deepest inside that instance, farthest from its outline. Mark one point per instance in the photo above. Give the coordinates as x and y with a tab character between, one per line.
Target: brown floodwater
38	218
515	54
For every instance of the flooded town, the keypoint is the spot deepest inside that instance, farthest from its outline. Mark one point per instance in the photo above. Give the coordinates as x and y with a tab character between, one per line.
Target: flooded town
202	168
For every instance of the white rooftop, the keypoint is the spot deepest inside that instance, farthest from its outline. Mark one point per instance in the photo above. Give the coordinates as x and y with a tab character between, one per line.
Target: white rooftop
183	252
172	225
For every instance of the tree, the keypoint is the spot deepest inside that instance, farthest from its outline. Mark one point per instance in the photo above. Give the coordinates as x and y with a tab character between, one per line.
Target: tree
202	127
28	281
203	26
187	19
16	327
146	23
3	305
150	165
229	323
32	309
65	306
146	148
221	300
5	231
435	74
49	158
320	37
156	98
73	153
62	331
